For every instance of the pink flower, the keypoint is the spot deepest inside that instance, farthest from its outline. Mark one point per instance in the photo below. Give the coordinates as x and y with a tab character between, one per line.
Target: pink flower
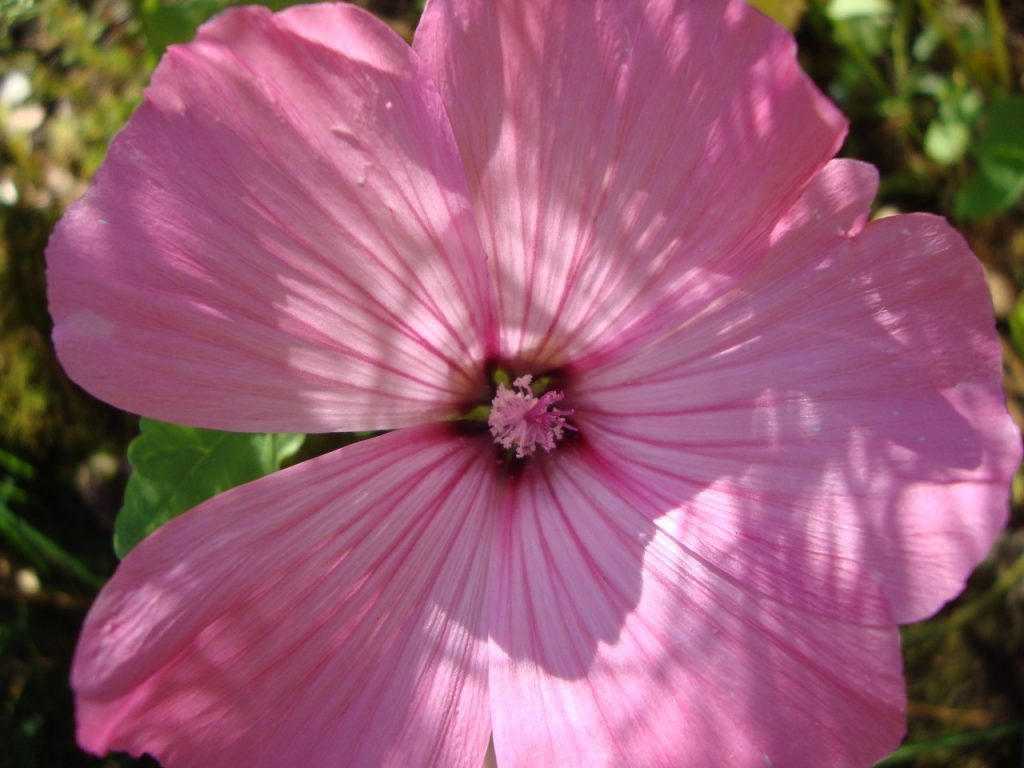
769	431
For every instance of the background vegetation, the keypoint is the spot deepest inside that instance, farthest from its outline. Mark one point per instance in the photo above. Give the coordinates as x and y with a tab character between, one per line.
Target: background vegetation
934	92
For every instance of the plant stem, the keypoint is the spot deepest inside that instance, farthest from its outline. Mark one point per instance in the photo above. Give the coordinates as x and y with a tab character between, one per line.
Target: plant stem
936	17
997	30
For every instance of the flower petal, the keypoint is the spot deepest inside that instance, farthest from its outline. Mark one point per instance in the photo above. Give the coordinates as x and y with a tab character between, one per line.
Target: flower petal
842	406
626	159
615	644
280	239
331	614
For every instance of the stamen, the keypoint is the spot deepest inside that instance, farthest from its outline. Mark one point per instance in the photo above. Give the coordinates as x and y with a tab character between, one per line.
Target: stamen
522	421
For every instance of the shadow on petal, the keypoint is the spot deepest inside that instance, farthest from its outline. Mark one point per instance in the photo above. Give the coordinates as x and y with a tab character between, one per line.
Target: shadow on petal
334	612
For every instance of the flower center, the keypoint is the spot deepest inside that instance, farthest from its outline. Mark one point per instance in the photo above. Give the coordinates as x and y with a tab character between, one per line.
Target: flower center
523	421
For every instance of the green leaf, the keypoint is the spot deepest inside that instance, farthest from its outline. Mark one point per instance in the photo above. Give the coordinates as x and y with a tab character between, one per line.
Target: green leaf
992	189
844	10
167	21
1004	129
176	21
786	12
911	752
998	181
946	141
175	468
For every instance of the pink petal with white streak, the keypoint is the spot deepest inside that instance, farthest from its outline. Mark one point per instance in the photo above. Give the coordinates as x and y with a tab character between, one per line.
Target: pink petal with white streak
839	414
280	239
627	160
615	644
331	614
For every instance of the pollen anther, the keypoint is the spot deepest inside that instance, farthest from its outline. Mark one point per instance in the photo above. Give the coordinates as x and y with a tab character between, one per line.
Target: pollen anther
523	421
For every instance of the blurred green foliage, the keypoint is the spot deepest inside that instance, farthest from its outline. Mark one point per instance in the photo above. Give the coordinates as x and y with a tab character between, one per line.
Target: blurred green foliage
78	72
933	91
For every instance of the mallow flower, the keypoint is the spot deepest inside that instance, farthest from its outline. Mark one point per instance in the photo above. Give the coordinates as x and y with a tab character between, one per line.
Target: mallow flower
674	438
